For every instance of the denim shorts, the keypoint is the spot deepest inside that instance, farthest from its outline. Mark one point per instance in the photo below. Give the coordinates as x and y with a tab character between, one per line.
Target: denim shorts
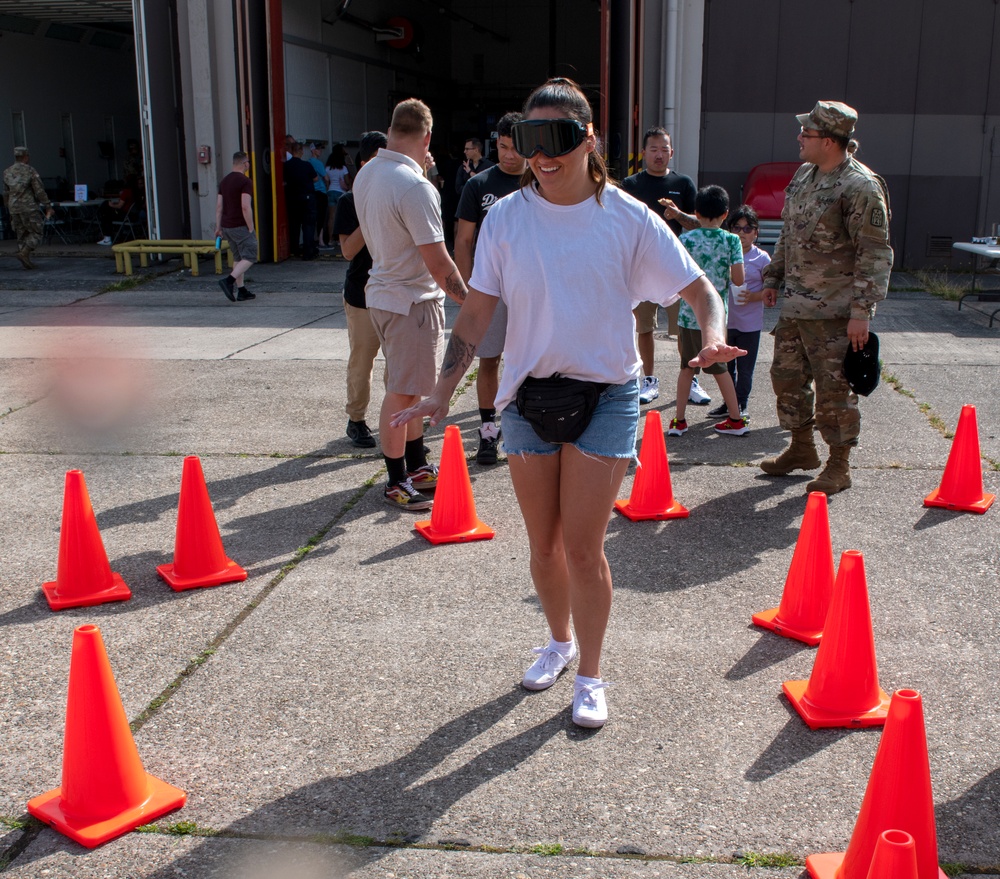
610	434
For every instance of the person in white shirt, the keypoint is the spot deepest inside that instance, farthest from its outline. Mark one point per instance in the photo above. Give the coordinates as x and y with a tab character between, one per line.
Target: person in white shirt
570	255
399	212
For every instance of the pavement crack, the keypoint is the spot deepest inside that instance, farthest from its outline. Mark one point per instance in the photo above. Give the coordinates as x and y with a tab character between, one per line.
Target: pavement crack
10	410
298	556
285	332
29	831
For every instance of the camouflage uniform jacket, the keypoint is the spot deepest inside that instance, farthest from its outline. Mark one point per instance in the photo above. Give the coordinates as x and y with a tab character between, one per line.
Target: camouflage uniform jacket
22	189
833	254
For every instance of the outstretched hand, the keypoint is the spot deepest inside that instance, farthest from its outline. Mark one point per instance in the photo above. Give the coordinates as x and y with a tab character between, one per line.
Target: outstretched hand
716	354
427	408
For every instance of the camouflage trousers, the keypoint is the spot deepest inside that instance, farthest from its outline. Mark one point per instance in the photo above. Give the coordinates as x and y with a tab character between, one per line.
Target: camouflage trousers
807	375
28	228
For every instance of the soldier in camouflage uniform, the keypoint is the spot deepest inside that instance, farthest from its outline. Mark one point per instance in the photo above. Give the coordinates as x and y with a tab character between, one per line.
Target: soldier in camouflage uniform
22	194
831	264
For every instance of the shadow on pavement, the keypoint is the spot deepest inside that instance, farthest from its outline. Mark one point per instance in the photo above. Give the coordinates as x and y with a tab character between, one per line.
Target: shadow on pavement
389	802
794	743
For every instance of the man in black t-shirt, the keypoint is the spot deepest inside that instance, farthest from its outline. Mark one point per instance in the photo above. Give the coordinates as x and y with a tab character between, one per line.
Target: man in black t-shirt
480	193
234	220
300	205
473	164
669	195
361	334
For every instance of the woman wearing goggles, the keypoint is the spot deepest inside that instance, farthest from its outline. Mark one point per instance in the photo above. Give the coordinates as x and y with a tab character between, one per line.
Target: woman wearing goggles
569	255
554	137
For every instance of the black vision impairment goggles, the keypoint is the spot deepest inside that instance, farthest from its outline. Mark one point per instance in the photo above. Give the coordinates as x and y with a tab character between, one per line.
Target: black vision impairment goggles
554	137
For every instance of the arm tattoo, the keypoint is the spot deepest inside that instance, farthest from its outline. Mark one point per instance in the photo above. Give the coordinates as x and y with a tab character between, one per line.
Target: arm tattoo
455	286
457	356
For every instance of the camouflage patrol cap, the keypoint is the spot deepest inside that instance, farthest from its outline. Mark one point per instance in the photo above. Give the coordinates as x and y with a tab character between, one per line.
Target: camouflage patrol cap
861	368
20	152
832	117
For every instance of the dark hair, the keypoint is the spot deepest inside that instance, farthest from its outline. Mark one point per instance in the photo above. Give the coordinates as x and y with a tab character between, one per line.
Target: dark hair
655	131
845	143
371	143
338	156
239	156
567	96
506	123
744	212
711	202
476	143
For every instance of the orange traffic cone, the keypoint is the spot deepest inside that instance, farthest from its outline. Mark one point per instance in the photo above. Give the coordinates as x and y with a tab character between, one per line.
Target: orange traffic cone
898	798
809	585
843	688
105	791
652	496
83	576
199	558
453	517
895	856
962	483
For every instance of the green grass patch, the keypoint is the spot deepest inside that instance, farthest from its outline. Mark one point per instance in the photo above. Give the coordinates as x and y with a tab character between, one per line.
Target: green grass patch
547	849
767	861
940	284
358	840
178	828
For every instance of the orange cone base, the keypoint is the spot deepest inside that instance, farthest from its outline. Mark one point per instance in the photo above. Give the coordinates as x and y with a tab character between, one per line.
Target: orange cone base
163	798
479	532
826	866
980	506
674	511
117	591
232	573
768	619
820	718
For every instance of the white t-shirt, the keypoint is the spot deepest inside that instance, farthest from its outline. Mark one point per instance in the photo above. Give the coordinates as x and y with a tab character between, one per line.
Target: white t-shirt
398	210
335	178
570	276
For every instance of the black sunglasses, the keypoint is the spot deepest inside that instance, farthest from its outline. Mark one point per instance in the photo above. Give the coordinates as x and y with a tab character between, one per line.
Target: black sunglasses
554	137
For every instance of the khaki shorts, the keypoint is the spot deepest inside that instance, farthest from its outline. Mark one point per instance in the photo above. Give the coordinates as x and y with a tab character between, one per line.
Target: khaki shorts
689	345
242	242
413	345
645	317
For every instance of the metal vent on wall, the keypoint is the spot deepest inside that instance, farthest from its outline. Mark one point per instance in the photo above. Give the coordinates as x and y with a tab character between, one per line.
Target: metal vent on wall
939	246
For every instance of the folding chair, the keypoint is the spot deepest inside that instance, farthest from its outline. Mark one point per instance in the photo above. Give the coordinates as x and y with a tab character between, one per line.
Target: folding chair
54	226
132	221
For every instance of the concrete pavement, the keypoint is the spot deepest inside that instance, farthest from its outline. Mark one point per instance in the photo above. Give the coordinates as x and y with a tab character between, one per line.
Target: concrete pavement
353	708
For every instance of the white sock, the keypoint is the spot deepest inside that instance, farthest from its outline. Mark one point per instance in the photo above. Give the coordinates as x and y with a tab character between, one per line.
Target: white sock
563	647
581	681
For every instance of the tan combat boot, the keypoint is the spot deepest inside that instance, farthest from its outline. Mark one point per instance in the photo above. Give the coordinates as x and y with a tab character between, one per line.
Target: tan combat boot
836	475
24	258
800	455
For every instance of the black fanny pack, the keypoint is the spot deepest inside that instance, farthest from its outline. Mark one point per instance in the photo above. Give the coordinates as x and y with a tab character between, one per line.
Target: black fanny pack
558	408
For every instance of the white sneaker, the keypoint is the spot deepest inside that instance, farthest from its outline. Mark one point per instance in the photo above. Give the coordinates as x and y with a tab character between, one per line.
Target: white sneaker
590	708
697	395
106	240
650	389
545	670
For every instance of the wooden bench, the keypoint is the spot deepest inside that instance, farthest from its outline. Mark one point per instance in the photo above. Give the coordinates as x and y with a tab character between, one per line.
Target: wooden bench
190	250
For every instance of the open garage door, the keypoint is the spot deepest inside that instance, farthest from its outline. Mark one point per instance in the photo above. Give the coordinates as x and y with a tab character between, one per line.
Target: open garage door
155	24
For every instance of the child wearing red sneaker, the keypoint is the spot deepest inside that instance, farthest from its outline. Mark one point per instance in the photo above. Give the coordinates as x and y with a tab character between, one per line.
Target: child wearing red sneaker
720	255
